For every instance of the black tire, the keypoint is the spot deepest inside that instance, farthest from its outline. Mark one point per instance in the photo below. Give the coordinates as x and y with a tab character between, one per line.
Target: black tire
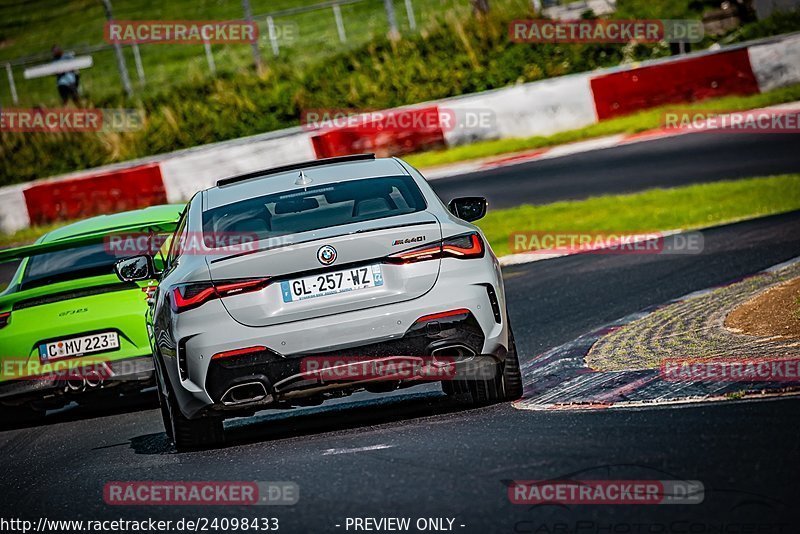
485	392
191	434
454	387
162	399
505	385
512	376
162	404
194	434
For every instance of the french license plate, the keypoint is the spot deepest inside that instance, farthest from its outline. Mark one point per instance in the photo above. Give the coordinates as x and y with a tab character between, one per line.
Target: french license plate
79	346
332	283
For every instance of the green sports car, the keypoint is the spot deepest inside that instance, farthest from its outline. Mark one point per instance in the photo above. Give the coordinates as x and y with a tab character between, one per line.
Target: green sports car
69	329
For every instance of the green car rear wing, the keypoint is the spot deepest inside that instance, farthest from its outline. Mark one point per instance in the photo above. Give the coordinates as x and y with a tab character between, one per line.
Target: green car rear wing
154	228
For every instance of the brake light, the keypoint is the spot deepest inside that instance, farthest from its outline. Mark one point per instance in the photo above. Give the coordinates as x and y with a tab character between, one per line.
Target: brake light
234	287
238	352
5	318
465	246
428	252
189	296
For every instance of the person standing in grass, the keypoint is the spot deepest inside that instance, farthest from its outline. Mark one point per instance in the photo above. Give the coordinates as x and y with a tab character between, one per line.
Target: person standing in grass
67	82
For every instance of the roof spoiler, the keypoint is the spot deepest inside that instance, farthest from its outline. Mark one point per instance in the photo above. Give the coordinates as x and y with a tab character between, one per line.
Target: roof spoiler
36	249
293	167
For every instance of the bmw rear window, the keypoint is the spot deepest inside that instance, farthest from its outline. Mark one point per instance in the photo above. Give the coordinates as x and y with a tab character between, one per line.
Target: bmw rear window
70	264
313	208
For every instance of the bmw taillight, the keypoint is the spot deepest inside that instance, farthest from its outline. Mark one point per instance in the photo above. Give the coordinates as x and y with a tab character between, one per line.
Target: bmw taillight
5	318
427	252
464	246
189	296
467	246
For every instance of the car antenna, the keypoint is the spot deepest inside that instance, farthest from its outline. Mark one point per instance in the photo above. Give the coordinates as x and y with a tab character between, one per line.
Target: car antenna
303	179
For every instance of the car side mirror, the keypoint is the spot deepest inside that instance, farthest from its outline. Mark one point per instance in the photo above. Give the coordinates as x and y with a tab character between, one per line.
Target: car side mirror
135	269
468	208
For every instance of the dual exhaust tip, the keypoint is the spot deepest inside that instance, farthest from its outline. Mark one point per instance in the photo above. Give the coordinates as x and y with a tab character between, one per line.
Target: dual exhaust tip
91	380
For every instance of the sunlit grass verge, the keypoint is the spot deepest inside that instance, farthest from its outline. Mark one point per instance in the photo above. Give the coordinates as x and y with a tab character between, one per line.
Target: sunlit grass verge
634	123
653	210
28	235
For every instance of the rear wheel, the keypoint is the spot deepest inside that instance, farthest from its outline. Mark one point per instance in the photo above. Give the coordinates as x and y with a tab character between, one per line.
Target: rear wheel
454	387
162	404
189	434
504	385
485	392
512	376
192	434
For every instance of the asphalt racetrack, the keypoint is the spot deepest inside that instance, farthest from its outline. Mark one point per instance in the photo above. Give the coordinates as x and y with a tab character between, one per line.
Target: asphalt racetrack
667	162
417	454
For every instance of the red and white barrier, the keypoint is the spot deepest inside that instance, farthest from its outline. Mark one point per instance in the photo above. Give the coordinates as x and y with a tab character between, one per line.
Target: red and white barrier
14	215
538	108
776	64
95	194
673	82
193	170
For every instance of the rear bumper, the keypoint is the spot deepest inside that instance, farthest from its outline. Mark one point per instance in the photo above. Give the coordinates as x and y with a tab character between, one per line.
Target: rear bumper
435	350
381	331
128	374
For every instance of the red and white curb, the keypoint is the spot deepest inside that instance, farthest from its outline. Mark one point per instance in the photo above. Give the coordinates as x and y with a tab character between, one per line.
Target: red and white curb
559	378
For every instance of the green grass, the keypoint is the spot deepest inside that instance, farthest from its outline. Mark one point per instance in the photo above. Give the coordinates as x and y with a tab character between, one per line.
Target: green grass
28	235
637	122
687	207
28	31
452	57
654	210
